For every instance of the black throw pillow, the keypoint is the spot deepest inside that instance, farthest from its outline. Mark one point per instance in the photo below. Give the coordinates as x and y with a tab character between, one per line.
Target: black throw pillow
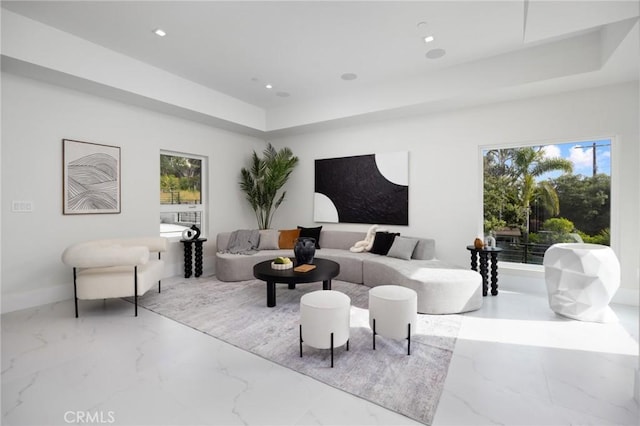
312	233
383	242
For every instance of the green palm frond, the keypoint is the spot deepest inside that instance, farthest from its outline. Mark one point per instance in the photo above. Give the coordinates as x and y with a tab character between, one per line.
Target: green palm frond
262	181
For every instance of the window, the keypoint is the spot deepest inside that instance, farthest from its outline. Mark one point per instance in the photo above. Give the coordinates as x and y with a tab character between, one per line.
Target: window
182	190
536	196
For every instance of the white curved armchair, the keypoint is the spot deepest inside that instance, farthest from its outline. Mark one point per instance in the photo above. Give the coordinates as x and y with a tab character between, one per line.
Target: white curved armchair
122	267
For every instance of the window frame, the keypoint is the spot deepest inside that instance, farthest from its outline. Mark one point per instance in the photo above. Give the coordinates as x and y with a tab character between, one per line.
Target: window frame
188	208
615	190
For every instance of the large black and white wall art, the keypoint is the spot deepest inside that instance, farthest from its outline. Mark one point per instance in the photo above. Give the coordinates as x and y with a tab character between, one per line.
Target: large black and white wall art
370	188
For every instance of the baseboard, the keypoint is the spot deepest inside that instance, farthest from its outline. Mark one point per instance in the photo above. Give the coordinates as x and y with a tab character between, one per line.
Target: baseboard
16	301
627	296
23	300
636	389
532	282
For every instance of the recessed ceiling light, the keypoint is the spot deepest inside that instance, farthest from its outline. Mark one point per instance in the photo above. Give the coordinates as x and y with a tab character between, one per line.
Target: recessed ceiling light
436	53
268	86
349	76
159	32
428	39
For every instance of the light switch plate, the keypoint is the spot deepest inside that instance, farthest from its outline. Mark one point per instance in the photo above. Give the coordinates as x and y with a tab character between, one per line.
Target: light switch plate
22	206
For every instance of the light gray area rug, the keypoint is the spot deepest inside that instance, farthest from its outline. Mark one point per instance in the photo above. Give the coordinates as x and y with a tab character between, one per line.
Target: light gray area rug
237	314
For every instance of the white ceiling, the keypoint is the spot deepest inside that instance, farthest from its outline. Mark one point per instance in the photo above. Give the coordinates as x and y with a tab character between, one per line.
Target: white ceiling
302	48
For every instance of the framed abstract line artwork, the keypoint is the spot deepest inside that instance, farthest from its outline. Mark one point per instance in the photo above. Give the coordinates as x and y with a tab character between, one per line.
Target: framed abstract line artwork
91	178
370	188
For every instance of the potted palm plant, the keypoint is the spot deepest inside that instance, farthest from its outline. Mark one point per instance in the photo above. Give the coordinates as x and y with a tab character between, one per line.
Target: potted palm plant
262	181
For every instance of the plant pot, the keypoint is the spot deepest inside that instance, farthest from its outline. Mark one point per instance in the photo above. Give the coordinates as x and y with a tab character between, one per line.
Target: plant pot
304	249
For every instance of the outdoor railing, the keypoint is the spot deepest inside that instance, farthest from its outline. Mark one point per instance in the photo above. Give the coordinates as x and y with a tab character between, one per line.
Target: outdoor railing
522	253
175	197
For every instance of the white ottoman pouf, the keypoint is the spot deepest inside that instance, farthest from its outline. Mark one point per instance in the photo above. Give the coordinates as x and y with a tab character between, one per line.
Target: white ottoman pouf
324	320
393	313
581	280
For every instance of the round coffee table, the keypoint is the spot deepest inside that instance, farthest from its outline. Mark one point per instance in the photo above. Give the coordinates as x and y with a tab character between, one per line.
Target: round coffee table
324	271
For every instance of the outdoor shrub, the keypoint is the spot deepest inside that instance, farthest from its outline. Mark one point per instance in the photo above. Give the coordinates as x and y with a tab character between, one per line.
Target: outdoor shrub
558	225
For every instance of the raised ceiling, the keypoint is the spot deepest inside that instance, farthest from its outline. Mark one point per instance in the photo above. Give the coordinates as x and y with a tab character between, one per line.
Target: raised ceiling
303	48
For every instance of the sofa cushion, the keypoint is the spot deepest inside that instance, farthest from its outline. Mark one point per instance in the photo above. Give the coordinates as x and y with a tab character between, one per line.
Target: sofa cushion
288	238
341	239
402	247
350	263
311	233
113	252
269	239
442	288
237	267
382	242
117	281
425	249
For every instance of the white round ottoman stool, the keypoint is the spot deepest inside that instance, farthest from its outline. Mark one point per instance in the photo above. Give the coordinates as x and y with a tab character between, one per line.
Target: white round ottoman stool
324	320
393	312
581	280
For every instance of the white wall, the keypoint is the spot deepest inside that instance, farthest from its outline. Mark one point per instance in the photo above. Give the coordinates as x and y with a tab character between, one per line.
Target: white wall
36	117
445	187
445	170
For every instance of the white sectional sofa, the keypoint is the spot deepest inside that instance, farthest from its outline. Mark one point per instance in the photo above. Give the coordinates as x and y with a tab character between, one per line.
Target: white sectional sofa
442	288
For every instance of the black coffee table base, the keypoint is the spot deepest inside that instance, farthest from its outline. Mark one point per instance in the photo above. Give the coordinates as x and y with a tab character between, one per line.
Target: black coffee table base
271	291
325	271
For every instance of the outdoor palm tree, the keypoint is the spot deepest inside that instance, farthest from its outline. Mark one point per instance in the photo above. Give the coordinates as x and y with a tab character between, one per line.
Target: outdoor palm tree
529	164
262	181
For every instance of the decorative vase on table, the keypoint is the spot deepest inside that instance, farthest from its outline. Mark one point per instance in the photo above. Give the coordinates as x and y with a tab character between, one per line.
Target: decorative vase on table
188	234
304	249
478	244
490	240
196	232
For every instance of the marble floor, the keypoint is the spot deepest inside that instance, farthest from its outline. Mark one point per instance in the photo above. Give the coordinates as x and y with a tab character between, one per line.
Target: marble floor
515	363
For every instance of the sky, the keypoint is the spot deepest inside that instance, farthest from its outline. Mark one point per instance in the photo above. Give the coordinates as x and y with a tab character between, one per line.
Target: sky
581	155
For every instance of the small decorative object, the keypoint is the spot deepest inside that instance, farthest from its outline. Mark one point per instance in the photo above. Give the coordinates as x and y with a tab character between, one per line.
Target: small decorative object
304	268
304	249
196	232
478	244
281	263
490	240
188	234
191	234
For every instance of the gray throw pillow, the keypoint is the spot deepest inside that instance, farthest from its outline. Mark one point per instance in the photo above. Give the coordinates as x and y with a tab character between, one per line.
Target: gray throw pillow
402	247
268	239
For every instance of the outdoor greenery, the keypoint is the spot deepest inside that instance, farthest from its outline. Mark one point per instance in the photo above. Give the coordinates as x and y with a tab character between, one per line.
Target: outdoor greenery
585	201
264	178
180	180
511	185
567	208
